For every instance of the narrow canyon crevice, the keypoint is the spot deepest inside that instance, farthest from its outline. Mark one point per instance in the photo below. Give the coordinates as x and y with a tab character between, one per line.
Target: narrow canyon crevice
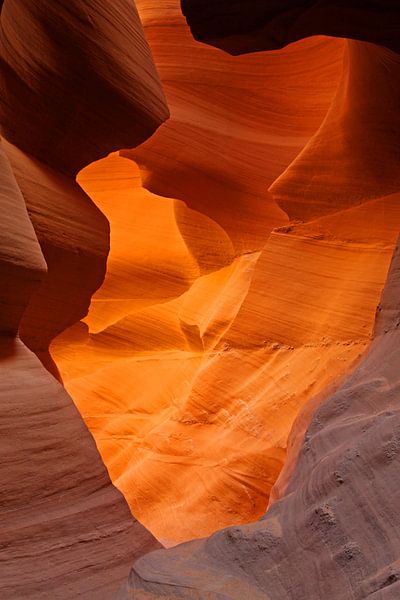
207	338
199	312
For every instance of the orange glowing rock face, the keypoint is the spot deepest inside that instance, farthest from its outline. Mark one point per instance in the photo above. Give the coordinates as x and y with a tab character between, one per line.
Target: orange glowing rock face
215	325
236	122
237	358
159	247
181	390
195	359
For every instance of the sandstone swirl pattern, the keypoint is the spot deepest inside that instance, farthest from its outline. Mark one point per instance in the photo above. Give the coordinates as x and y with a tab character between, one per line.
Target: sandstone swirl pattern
168	395
330	531
332	534
77	80
221	315
66	532
208	290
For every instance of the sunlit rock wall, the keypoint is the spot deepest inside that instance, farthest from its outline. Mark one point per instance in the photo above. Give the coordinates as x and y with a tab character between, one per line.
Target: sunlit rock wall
210	288
221	314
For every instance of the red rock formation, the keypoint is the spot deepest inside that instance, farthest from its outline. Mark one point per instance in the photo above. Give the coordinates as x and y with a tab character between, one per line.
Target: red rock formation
74	238
66	531
22	266
63	523
332	535
362	118
388	317
198	355
230	339
157	342
330	531
77	80
236	123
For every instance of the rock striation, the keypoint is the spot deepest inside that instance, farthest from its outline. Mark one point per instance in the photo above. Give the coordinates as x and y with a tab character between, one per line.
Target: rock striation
22	266
210	326
86	69
203	296
74	238
246	118
330	528
331	534
362	118
66	531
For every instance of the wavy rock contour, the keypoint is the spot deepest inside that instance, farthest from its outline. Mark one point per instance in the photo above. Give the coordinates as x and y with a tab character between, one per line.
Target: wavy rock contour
215	326
329	530
66	531
320	539
86	70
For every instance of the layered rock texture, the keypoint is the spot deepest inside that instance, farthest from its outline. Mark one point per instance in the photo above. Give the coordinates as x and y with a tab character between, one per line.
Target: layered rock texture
184	255
210	332
194	249
66	532
85	68
330	528
331	535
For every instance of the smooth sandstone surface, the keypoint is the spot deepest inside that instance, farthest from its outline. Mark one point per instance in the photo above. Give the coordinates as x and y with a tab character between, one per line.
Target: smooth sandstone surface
159	246
176	352
77	80
363	125
22	264
330	531
332	535
194	372
66	532
225	364
236	122
74	237
231	192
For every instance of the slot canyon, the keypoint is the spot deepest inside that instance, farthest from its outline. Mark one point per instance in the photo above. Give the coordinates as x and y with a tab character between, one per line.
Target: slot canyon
200	300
